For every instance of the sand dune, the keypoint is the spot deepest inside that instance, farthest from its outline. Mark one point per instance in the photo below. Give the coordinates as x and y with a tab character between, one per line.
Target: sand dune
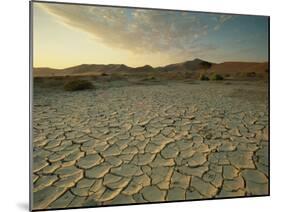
194	67
234	67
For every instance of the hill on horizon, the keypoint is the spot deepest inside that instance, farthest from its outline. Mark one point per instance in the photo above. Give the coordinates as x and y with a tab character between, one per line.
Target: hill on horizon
191	66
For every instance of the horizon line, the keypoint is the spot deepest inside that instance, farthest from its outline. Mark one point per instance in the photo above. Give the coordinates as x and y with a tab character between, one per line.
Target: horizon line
230	61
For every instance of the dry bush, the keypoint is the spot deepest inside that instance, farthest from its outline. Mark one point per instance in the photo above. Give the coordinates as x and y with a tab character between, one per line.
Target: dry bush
217	77
150	78
76	85
203	77
251	74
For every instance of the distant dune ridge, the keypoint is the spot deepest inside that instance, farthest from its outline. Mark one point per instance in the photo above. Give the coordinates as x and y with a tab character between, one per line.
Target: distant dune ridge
196	66
192	65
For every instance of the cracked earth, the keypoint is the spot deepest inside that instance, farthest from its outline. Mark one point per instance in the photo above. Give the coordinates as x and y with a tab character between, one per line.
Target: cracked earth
149	143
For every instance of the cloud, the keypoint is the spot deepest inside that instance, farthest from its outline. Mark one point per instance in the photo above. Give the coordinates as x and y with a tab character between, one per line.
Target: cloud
221	19
224	18
137	30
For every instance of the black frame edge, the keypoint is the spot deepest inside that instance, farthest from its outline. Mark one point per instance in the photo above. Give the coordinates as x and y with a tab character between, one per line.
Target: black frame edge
30	104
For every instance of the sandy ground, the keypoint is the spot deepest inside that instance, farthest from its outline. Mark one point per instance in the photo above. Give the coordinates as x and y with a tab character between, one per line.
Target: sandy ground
150	142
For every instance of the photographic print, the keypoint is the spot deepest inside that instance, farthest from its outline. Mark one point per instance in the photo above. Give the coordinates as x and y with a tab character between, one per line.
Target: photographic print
137	105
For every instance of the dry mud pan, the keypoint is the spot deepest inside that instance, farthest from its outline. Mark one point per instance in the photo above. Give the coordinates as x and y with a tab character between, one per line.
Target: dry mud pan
149	143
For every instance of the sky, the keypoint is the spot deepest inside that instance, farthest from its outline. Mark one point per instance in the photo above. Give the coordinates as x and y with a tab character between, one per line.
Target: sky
66	35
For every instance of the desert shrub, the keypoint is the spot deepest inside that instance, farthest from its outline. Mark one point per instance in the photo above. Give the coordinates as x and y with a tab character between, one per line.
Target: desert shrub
217	77
152	78
149	78
104	74
47	82
203	77
76	85
251	74
116	76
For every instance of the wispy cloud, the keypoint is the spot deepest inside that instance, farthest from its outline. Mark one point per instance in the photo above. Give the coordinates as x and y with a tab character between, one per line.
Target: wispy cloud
221	19
137	30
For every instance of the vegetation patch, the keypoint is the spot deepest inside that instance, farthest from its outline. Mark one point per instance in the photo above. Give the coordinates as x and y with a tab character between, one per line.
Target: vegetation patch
150	78
204	77
217	77
77	85
251	74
